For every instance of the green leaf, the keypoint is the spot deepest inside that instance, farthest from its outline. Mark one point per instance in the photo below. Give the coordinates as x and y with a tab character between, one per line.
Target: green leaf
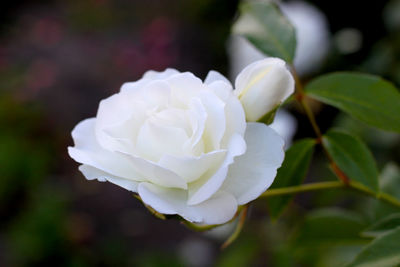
331	227
382	226
292	172
353	157
263	24
366	97
384	251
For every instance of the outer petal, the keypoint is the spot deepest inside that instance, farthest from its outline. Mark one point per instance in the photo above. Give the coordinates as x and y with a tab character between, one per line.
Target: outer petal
149	76
203	188
92	173
213	76
234	113
235	118
160	75
155	173
263	85
88	151
184	86
114	110
218	209
216	122
192	168
222	89
252	173
132	86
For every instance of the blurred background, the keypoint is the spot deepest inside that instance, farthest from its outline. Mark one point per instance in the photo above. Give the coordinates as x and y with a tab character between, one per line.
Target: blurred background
58	59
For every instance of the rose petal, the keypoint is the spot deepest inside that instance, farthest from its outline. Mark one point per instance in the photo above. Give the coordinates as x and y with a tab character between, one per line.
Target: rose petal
155	173
155	140
114	110
156	95
88	151
216	210
147	78
203	188
215	124
160	75
132	86
235	119
234	113
197	116
192	168
213	76
173	117
222	89
93	173
252	173
184	86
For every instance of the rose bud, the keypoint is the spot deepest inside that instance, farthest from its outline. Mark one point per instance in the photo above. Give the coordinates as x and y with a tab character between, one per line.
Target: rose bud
262	86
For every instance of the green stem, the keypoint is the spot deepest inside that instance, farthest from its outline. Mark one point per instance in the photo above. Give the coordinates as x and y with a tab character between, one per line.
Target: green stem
303	103
330	185
300	98
311	118
238	229
301	189
380	196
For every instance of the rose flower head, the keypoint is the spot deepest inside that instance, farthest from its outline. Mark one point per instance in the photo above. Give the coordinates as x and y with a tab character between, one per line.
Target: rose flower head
183	144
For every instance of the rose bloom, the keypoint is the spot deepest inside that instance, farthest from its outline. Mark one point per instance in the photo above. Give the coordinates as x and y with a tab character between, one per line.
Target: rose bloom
183	145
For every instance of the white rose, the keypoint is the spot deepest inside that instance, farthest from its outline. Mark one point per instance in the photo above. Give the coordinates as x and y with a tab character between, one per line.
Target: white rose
182	144
262	86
